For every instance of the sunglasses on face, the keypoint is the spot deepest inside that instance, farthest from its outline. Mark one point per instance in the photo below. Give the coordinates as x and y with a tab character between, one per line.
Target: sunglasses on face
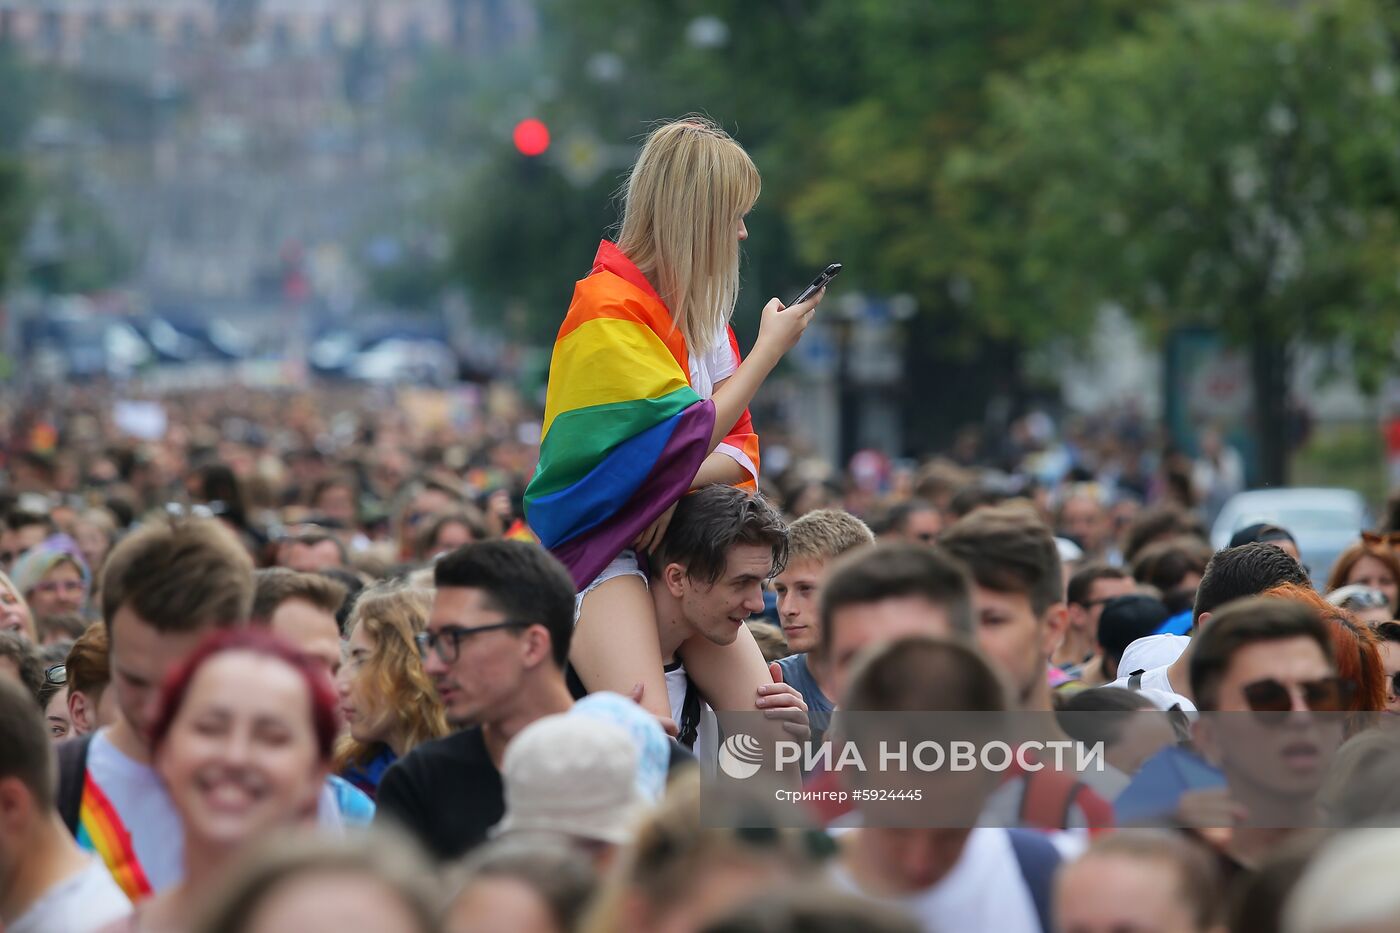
1274	699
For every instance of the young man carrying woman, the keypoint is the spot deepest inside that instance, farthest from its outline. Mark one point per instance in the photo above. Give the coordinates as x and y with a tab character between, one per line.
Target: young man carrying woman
648	400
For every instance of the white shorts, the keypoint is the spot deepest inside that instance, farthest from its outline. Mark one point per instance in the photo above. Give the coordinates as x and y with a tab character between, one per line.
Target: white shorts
622	565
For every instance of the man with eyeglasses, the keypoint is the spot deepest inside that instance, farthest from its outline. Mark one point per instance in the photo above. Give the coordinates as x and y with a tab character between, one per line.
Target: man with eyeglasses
495	647
1264	676
913	522
1078	653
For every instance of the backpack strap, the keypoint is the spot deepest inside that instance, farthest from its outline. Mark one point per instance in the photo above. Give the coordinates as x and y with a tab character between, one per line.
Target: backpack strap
1135	680
1038	860
72	776
1047	799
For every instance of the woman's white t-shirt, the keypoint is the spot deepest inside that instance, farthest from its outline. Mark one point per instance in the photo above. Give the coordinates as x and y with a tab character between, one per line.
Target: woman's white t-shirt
713	366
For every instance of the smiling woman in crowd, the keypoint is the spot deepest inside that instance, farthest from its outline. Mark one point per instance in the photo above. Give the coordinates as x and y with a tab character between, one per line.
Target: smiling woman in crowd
14	611
242	742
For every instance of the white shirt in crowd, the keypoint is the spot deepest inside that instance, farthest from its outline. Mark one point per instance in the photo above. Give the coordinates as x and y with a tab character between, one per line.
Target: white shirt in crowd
960	901
83	903
144	806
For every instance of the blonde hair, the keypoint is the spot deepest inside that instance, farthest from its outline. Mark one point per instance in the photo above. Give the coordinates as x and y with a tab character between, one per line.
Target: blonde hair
684	199
826	534
392	615
672	849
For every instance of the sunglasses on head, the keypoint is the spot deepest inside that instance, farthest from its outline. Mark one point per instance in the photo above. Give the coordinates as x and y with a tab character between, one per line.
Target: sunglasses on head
1389	539
1366	599
1274	699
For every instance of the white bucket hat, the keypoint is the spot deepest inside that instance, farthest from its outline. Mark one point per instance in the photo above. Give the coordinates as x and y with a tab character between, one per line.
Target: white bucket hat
573	776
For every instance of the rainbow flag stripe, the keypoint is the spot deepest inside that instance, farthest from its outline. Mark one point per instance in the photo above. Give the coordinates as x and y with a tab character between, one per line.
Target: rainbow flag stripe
624	432
101	830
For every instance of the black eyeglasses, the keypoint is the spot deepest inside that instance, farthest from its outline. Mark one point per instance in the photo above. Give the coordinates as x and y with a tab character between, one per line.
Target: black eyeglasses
447	641
57	675
1274	700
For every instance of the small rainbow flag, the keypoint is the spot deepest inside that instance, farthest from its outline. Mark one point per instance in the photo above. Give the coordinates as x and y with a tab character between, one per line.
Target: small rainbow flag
100	830
624	432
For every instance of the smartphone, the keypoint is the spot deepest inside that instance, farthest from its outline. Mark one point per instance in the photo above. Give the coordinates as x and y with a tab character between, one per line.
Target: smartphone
820	282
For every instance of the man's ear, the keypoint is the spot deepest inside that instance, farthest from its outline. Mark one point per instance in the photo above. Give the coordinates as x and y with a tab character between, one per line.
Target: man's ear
1054	622
1201	621
78	712
675	578
537	645
1203	734
16	802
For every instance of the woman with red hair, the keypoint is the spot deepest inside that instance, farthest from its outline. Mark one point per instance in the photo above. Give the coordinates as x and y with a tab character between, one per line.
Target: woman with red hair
1371	562
243	742
1358	657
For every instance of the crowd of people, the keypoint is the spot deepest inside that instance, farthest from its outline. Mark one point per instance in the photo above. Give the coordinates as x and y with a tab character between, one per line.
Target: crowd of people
309	662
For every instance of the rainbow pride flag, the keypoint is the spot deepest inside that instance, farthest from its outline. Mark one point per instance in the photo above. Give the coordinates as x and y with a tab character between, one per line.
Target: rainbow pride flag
101	831
624	432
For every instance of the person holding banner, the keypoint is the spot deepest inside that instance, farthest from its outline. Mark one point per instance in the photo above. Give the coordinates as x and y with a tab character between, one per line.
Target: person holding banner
648	400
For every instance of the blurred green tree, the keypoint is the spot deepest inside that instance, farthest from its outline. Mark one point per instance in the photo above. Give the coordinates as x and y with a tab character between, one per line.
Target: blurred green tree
1231	165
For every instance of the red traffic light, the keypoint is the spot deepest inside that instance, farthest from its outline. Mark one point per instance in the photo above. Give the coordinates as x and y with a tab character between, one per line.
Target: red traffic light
531	137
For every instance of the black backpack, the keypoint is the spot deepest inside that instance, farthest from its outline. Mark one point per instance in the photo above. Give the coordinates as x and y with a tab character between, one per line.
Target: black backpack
72	776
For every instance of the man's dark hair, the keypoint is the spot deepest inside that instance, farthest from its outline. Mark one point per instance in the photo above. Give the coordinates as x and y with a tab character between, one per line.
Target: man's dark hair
895	571
1125	619
920	673
69	625
425	542
25	749
16	519
276	585
711	521
971	498
520	580
353	588
1260	618
1101	714
1009	550
1158	523
1081	585
1260	531
897	518
26	660
1247	570
180	577
1165	564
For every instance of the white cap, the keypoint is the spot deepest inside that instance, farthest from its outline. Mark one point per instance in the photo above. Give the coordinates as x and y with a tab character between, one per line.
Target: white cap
574	776
1069	551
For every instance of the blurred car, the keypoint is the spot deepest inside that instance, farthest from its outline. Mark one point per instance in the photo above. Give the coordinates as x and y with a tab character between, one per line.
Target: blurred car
402	360
1323	521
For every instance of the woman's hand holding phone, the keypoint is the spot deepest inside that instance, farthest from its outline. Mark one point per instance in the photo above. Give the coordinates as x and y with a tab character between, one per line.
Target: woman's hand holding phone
781	327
